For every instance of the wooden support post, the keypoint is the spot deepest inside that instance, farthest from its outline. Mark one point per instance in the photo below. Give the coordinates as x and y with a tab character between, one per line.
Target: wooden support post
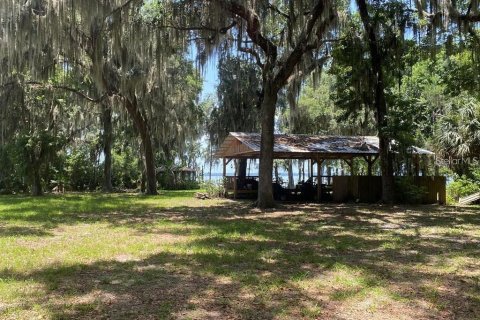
370	166
328	163
226	183
235	187
311	161
319	179
224	180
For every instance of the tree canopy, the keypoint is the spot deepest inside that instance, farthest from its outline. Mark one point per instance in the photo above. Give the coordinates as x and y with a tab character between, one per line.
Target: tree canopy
113	83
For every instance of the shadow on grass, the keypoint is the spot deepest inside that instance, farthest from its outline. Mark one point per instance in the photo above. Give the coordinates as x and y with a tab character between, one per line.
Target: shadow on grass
240	263
86	208
16	231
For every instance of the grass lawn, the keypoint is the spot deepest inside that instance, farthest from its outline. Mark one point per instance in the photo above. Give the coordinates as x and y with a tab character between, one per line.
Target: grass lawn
172	256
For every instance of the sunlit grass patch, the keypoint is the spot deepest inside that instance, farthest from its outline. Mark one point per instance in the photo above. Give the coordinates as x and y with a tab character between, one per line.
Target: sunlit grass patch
311	311
349	282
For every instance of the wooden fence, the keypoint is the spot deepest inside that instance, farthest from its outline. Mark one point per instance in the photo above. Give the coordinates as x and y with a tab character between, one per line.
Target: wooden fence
369	189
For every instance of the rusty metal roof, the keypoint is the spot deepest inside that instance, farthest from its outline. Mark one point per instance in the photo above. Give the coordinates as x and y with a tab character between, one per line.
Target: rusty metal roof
287	146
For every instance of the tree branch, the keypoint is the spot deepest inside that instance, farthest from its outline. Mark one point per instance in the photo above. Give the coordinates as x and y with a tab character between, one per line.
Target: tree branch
37	84
77	92
452	11
303	73
85	42
277	10
254	53
302	45
222	30
123	6
253	27
467	17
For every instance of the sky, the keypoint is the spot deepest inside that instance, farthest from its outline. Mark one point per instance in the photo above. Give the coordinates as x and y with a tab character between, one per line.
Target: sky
210	80
209	75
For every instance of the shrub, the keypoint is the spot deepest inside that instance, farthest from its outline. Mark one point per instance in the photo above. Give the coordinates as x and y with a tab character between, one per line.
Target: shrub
82	171
462	187
214	189
11	176
125	169
181	185
408	192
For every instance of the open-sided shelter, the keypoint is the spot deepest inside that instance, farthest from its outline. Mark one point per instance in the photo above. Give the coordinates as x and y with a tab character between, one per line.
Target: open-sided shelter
317	149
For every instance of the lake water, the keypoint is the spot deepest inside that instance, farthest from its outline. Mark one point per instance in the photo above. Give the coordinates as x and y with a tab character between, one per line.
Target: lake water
217	176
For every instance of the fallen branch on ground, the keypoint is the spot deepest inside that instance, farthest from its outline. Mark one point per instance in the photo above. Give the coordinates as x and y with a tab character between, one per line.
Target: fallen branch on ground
202	196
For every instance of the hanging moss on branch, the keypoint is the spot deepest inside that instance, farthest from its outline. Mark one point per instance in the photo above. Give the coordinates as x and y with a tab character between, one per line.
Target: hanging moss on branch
121	52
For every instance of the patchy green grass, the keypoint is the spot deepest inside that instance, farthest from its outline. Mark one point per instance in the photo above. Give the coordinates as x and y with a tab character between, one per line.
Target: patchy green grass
132	257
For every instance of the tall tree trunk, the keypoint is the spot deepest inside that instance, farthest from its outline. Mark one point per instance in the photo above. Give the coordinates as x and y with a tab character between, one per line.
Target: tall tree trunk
291	181
142	181
265	189
386	161
150	165
210	164
386	167
37	181
273	80
93	184
242	168
275	169
299	163
303	170
149	158
107	146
